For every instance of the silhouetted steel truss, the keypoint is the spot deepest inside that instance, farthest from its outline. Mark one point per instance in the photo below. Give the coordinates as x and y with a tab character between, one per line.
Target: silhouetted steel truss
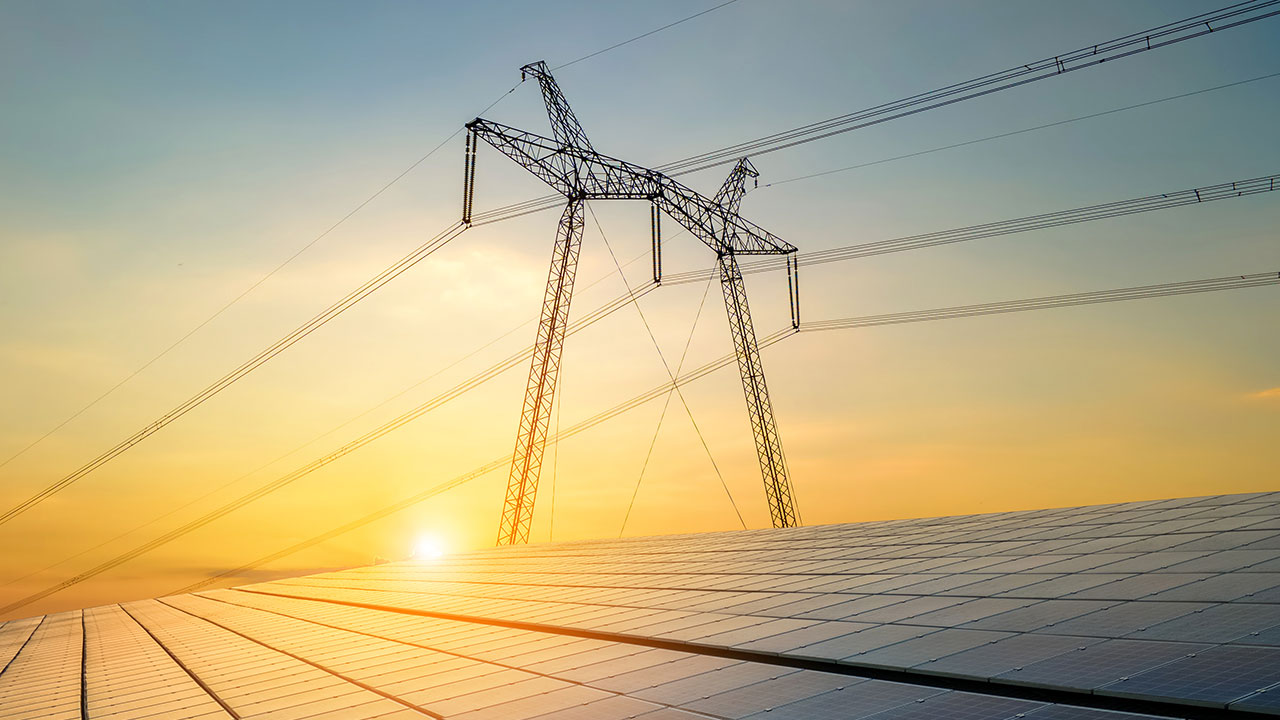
570	165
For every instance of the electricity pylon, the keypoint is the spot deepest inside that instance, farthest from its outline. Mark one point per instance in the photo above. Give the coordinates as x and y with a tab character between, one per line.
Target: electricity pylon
773	464
571	166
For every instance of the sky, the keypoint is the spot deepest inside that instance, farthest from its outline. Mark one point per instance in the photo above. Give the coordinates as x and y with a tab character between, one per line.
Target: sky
159	159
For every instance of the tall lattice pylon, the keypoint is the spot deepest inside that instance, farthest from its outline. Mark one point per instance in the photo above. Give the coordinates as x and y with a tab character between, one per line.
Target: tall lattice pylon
773	463
539	394
570	165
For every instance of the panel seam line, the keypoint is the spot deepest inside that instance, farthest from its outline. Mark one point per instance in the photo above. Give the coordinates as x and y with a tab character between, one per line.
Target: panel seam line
450	653
301	659
14	659
208	690
901	675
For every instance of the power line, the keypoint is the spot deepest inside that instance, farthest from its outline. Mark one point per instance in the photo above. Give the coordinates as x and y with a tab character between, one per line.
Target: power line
1160	201
352	446
244	369
1141	42
271	273
666	403
1058	301
615	46
1232	16
1089	56
399	421
1012	133
1222	190
1232	282
1118	208
670	374
39	497
315	439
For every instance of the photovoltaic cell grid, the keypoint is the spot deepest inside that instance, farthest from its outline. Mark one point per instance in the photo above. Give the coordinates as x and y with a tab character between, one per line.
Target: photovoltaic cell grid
1164	605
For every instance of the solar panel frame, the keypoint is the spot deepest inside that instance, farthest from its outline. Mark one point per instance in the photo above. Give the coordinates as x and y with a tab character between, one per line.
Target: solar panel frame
1091	666
1216	677
1018	650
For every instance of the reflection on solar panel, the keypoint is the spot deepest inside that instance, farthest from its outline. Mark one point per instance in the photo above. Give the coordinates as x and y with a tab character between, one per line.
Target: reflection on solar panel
1152	609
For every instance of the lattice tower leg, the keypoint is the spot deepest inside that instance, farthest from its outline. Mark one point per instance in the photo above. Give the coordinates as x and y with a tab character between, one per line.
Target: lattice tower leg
773	468
535	416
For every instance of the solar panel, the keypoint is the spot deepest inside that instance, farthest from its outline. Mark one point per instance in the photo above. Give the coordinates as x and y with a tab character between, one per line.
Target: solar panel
753	698
1218	675
1179	541
611	707
679	668
794	608
1266	700
851	701
1015	651
849	608
854	644
1124	618
960	706
909	607
719	680
929	648
1094	665
1265	596
671	714
810	635
143	679
613	659
14	635
1270	636
1148	562
752	630
1139	586
1180	597
1217	624
1045	614
1224	588
937	582
1057	586
996	585
699	625
1272	565
1229	540
967	611
1222	561
1067	712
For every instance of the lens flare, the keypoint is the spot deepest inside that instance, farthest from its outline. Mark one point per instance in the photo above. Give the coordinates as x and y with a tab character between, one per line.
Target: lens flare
428	547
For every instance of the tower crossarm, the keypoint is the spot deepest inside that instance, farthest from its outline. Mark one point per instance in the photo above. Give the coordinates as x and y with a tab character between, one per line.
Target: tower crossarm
564	124
730	194
721	231
578	172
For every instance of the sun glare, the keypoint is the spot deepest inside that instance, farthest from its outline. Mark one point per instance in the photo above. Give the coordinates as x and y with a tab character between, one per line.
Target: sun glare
428	547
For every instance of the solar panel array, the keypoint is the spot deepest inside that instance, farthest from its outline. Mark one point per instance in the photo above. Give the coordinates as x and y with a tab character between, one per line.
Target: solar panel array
1153	609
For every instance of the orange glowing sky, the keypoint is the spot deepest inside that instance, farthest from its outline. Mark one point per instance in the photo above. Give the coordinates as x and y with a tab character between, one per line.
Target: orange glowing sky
160	159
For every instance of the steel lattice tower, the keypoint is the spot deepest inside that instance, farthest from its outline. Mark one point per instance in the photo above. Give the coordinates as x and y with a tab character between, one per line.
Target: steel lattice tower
773	464
571	166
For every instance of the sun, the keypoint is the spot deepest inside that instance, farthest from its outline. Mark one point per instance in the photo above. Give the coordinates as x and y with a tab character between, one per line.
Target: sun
428	547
